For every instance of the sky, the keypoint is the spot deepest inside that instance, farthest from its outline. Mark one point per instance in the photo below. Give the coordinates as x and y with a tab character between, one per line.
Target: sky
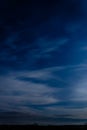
43	62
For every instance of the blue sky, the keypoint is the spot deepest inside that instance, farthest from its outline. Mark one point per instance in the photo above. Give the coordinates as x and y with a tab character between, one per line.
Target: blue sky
43	61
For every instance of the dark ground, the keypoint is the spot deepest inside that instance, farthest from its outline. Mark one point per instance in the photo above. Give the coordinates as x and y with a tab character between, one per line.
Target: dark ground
27	127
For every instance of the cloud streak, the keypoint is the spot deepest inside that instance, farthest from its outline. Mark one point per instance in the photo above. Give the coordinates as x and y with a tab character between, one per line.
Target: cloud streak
19	93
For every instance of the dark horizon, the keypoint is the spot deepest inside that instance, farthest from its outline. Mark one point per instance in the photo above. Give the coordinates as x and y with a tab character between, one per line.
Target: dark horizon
19	118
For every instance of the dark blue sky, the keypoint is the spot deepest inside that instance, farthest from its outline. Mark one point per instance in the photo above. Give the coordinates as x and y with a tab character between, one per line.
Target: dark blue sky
43	61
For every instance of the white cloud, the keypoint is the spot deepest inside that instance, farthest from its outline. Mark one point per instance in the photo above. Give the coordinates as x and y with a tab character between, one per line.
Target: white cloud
74	113
79	91
48	72
42	74
20	92
84	48
28	93
46	47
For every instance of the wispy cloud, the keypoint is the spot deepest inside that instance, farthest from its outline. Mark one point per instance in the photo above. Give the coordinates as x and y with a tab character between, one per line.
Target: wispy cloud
73	113
79	90
32	88
20	93
84	48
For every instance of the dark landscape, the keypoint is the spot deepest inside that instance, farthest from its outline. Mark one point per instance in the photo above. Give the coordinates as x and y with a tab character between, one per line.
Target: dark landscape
81	127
